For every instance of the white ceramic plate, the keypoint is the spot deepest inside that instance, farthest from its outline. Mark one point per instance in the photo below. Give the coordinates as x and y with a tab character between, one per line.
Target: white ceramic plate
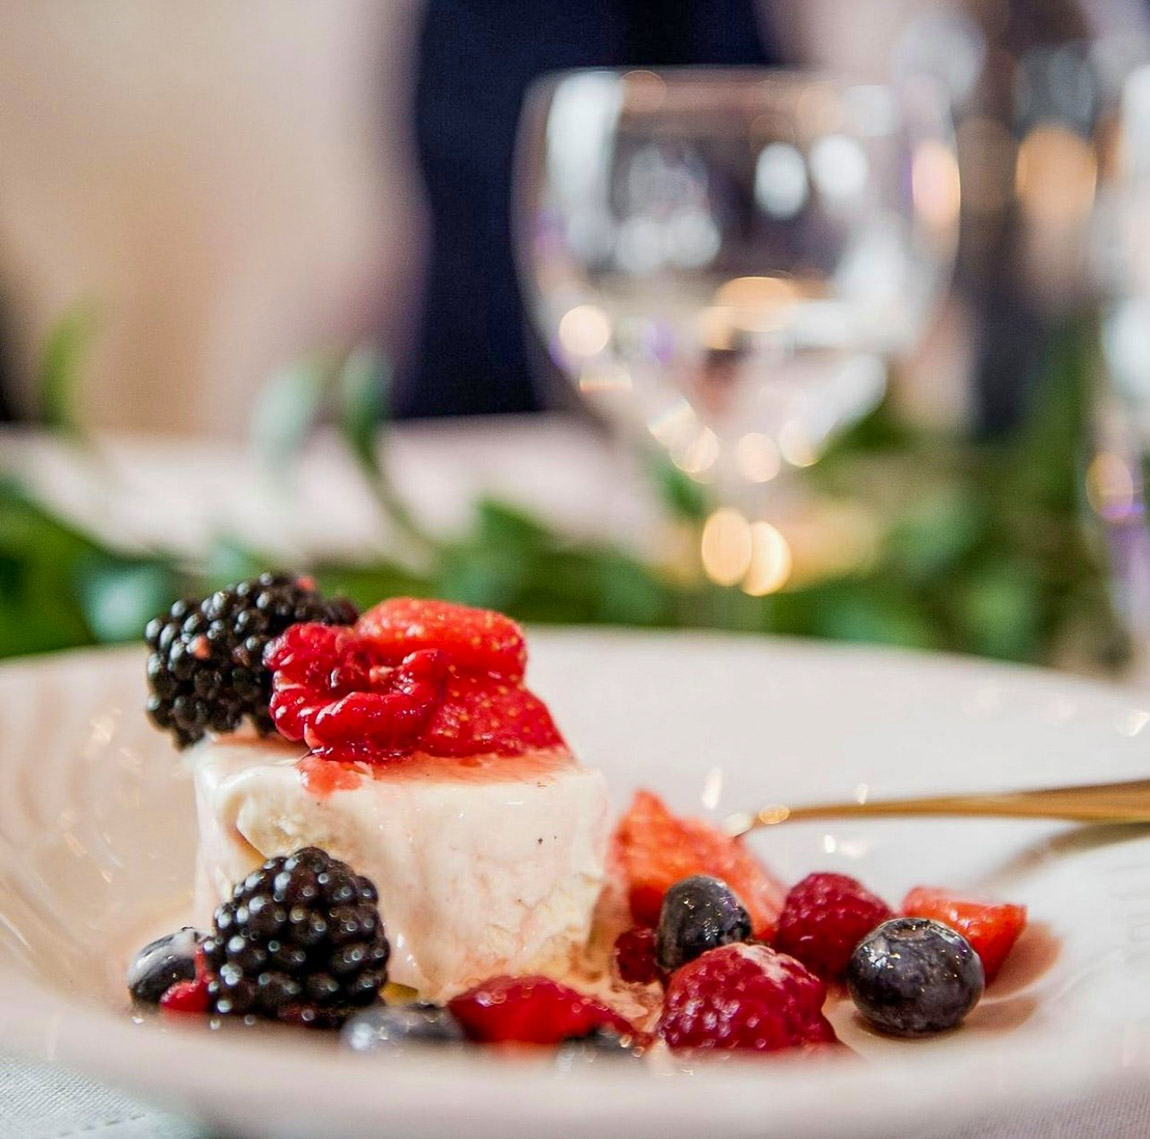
97	836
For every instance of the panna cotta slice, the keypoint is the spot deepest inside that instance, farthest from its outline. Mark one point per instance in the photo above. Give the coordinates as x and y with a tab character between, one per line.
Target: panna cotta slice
485	867
410	748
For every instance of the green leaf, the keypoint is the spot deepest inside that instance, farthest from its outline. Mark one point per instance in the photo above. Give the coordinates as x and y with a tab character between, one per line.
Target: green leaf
230	560
868	616
487	576
630	594
364	384
936	534
500	524
39	553
288	408
988	549
32	533
118	600
999	611
685	498
367	584
64	352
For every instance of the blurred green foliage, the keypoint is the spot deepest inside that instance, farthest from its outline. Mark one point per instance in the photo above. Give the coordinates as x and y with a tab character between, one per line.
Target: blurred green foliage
987	548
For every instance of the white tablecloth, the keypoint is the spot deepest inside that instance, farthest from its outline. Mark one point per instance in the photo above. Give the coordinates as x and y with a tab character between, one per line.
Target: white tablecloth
150	491
44	1102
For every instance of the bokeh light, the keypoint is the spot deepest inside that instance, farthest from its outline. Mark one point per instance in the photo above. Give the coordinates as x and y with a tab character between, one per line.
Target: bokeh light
726	546
935	185
770	562
756	457
796	445
839	168
699	455
1055	175
604	378
781	188
1110	487
584	330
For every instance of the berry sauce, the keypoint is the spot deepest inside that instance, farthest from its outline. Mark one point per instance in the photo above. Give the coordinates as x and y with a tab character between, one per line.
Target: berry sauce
322	777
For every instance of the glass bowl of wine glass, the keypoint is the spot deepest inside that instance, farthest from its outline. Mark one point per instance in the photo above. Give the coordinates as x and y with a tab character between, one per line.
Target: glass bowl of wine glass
723	261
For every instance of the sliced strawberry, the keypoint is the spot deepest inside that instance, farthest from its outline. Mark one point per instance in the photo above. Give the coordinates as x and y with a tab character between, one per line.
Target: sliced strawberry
478	716
532	1010
478	640
656	849
992	928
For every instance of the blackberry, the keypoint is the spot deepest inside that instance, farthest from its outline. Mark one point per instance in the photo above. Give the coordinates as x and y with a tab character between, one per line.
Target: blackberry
301	940
206	669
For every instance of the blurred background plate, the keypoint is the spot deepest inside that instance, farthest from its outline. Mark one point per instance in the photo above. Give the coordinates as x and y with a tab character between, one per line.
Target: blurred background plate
97	837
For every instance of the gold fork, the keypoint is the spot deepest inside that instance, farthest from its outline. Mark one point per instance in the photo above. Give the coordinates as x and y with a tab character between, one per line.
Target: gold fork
1127	802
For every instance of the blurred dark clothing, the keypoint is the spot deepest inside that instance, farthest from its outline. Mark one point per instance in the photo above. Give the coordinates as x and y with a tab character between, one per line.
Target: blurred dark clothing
477	59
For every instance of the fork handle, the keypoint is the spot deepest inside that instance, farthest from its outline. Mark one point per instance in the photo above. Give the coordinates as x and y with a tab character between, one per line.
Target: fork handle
1127	802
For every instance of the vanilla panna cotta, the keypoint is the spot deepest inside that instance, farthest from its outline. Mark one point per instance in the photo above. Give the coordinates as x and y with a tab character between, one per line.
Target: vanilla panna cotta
446	785
483	868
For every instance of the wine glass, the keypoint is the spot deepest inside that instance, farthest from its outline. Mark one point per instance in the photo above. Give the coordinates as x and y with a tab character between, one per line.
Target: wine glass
1119	472
722	260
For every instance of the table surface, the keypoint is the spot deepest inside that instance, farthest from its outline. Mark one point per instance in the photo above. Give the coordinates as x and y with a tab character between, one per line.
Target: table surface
180	494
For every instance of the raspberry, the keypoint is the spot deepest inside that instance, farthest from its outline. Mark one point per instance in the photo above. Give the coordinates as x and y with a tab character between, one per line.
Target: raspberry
190	994
655	849
187	996
531	1010
992	928
744	997
477	640
634	956
334	689
825	917
351	698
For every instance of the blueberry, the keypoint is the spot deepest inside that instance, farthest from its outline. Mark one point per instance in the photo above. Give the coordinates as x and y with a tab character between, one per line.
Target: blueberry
699	913
601	1041
384	1028
163	962
912	976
